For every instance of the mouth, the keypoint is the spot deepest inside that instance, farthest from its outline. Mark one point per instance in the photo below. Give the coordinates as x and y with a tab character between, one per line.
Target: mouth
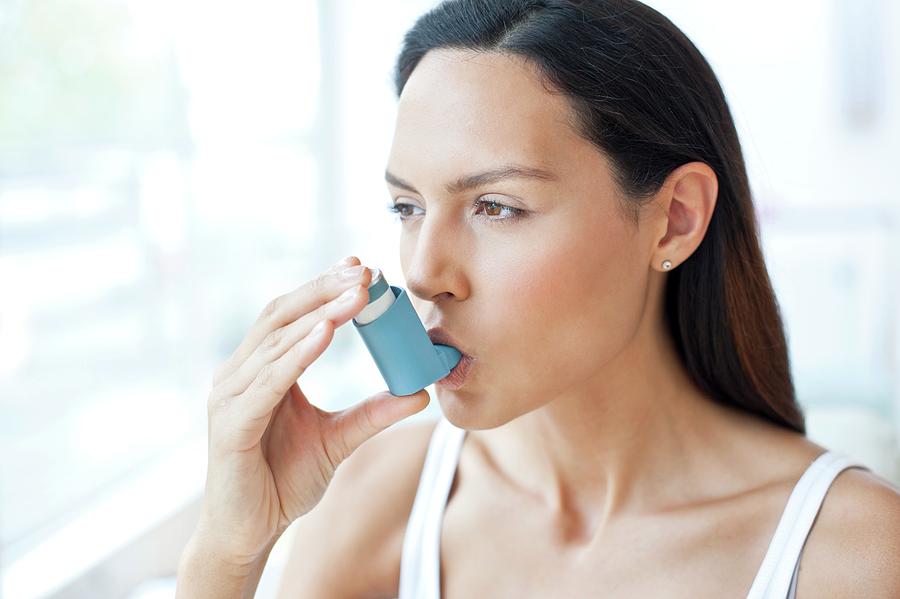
457	375
440	336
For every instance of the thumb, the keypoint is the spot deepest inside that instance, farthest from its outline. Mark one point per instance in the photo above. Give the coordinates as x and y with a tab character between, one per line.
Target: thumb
360	422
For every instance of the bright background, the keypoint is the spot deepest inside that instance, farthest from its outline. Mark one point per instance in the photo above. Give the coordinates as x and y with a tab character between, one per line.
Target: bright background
167	168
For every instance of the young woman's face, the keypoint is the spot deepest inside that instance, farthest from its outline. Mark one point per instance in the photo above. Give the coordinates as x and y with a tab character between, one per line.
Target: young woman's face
544	299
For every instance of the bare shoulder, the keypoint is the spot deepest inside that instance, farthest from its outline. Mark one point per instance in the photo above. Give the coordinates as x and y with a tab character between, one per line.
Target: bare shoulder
349	545
853	549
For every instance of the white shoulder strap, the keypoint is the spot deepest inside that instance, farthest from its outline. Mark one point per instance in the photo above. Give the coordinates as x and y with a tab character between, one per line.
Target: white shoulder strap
420	558
775	575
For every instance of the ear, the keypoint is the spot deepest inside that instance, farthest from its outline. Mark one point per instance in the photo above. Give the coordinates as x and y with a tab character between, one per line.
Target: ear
687	199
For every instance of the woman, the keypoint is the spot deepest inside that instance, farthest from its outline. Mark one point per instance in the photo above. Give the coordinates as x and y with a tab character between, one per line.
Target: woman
577	217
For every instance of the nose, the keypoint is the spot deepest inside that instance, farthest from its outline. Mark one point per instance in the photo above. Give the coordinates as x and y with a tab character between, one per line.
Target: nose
434	261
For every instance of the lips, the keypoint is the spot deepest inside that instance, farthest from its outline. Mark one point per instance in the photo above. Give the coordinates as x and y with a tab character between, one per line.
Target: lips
440	336
457	375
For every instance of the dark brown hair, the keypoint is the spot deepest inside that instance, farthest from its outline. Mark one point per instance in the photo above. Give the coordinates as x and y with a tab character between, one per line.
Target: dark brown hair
646	97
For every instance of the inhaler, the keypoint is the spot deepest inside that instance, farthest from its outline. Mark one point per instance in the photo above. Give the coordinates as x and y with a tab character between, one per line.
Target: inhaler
398	341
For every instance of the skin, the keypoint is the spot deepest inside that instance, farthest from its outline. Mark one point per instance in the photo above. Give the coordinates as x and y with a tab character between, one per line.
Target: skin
626	479
272	453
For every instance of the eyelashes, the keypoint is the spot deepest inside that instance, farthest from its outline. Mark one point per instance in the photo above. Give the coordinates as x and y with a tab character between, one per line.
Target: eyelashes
514	213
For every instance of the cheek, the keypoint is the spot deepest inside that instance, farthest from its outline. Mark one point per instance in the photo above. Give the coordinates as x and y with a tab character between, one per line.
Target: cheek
573	301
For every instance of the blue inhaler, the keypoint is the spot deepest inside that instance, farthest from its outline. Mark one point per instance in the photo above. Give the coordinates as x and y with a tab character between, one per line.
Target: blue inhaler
397	340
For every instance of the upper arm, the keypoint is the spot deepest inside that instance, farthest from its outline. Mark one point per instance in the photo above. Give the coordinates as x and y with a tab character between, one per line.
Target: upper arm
349	544
853	549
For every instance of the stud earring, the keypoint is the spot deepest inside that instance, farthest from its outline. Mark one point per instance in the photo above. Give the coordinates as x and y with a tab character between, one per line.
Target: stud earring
667	264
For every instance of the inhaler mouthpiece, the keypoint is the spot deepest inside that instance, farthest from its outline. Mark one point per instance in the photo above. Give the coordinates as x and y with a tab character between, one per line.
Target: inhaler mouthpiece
398	341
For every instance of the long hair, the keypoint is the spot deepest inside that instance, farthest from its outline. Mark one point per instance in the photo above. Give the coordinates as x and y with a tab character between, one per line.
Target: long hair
646	97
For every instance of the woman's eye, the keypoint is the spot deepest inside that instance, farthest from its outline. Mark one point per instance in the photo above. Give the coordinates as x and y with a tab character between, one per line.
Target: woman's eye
494	211
400	209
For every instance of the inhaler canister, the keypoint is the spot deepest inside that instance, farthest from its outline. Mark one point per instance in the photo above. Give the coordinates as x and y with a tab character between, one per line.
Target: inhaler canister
398	341
381	297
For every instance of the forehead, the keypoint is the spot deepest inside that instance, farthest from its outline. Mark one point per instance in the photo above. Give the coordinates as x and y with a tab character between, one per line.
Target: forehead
481	108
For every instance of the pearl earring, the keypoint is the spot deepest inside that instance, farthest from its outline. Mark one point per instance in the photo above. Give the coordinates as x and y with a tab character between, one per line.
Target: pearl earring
667	264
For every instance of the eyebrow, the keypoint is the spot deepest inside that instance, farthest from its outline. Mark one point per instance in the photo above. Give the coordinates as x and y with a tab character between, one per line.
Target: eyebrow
507	171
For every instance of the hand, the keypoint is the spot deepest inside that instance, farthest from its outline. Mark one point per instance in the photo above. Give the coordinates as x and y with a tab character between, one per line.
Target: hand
272	454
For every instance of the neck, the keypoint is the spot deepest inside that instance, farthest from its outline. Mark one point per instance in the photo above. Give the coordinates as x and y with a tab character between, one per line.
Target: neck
614	443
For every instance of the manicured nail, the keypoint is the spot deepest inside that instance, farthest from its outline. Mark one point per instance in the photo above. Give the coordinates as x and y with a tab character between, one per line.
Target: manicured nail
352	272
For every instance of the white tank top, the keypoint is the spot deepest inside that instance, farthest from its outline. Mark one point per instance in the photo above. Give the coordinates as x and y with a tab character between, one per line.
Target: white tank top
776	578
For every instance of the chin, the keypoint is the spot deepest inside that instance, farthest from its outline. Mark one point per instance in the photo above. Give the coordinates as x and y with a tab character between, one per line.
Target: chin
468	410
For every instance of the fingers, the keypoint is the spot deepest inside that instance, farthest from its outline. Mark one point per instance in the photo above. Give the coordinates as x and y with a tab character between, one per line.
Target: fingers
251	410
351	427
337	311
242	420
287	308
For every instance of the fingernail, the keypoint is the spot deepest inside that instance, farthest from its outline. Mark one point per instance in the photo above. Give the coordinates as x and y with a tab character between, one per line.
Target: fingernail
349	294
318	329
352	272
